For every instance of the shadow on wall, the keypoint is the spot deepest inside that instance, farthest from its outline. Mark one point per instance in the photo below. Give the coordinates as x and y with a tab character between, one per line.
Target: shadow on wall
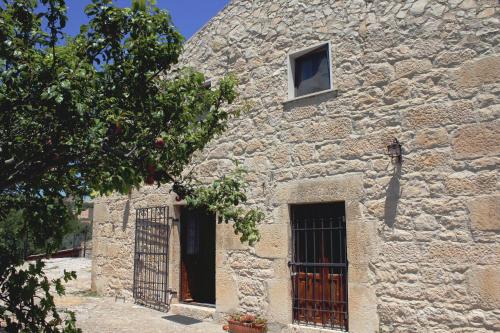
392	195
313	100
126	213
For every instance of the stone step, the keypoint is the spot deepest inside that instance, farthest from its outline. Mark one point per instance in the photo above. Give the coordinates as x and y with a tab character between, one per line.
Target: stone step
203	313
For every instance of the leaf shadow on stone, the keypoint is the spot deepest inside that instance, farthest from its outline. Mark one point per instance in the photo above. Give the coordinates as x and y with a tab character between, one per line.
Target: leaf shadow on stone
392	197
126	213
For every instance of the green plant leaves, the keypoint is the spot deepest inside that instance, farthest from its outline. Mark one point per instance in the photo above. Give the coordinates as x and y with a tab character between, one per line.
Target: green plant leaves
225	198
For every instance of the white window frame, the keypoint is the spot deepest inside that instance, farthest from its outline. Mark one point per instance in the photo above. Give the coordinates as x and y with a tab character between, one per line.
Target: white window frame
291	69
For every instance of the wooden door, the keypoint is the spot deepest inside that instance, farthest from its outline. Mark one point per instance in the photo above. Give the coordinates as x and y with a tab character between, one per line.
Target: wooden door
321	298
197	256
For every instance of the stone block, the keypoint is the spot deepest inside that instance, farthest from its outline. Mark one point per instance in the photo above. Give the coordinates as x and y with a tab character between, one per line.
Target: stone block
301	112
193	311
115	250
476	73
250	286
280	156
258	163
100	285
226	293
430	138
399	90
328	129
469	4
280	300
426	222
486	13
363	315
418	7
274	241
362	241
394	313
328	152
484	213
477	140
435	115
448	58
222	150
465	183
281	268
427	161
101	212
400	252
230	241
363	146
377	74
220	258
483	284
410	67
359	273
442	252
327	189
414	189
255	145
304	153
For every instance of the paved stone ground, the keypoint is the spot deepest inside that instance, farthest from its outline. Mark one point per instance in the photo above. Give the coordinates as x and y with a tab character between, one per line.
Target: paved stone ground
105	314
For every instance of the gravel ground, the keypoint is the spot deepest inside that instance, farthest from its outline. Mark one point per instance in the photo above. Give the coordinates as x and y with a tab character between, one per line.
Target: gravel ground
105	314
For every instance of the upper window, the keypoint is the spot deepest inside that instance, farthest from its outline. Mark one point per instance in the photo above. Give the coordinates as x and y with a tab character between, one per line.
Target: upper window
309	71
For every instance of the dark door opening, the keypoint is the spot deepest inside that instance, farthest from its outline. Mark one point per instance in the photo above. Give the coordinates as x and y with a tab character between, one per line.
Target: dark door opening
197	256
319	265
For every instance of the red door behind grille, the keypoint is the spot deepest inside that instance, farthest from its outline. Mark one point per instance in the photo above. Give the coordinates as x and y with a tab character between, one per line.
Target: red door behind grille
321	298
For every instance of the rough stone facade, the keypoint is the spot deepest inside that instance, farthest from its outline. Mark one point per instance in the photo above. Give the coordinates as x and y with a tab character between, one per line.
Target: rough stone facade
423	241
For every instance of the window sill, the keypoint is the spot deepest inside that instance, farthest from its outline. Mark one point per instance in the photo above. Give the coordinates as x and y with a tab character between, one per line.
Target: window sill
313	329
323	92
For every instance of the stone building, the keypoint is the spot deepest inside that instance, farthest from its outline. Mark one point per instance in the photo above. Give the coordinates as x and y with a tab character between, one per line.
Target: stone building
410	247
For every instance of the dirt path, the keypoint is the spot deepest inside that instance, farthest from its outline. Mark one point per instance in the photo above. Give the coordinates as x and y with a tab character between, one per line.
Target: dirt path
104	314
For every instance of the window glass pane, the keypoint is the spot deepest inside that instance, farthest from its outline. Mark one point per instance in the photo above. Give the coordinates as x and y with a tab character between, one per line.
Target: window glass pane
312	72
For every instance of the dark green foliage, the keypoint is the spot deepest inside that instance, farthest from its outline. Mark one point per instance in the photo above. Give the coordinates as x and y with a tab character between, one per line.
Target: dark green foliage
12	239
27	301
224	197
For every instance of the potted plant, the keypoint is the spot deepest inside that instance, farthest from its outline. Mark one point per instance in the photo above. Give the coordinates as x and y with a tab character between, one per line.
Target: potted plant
245	323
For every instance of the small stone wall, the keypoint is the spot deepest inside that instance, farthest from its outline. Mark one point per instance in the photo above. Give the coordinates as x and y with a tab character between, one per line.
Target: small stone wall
423	241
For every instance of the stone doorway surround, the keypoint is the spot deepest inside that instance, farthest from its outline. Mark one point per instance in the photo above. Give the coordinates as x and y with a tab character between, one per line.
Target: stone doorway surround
361	245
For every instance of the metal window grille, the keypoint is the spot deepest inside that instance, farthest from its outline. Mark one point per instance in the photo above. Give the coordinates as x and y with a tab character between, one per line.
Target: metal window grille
152	232
319	265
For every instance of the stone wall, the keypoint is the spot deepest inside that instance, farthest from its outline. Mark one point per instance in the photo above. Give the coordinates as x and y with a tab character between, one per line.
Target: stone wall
423	241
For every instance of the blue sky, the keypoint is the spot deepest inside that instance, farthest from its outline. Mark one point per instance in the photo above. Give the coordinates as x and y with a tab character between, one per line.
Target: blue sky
188	15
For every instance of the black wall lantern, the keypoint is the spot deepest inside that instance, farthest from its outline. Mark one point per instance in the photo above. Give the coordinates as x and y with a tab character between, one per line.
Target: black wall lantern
394	151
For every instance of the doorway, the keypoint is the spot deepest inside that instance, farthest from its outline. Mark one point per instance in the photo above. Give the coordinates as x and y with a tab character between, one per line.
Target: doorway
197	256
319	265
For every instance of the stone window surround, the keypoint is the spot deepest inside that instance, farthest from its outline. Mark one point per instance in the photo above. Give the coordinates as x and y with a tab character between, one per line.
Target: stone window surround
362	304
291	56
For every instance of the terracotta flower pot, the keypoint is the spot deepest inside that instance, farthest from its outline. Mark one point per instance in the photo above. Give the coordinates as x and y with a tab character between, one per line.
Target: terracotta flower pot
237	327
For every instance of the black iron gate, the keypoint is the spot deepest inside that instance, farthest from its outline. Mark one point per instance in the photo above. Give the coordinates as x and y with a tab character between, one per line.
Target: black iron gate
152	233
319	265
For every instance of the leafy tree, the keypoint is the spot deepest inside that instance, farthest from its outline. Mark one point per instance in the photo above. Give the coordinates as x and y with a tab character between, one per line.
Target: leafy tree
105	111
